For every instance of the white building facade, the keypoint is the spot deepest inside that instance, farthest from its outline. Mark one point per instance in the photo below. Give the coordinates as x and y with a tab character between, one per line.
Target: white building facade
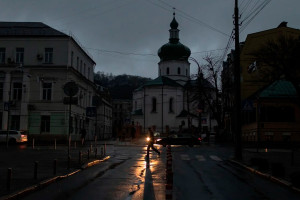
163	103
36	61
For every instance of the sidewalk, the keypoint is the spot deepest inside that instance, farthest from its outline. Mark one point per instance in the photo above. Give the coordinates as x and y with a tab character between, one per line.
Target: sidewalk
22	158
278	165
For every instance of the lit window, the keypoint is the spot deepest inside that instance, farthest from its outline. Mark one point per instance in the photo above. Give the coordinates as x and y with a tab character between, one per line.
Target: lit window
48	55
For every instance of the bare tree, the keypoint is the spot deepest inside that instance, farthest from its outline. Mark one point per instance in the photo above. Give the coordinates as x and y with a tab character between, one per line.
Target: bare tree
279	58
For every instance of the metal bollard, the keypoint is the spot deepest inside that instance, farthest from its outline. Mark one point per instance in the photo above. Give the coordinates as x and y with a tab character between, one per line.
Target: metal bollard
36	163
69	162
9	177
88	154
54	166
102	151
80	157
96	152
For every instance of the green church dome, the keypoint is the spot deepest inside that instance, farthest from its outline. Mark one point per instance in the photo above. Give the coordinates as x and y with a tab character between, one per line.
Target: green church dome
174	50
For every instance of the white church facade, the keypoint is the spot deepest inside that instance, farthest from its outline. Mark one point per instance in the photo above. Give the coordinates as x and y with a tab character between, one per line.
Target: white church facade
163	103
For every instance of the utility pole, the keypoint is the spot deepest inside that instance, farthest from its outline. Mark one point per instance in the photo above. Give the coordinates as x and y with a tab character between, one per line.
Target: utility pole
238	127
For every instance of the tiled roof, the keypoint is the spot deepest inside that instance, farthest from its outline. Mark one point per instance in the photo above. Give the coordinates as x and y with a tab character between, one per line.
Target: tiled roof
28	29
279	89
162	80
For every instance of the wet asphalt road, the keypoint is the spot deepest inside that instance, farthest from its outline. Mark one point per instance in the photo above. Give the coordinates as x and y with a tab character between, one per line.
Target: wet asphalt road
200	172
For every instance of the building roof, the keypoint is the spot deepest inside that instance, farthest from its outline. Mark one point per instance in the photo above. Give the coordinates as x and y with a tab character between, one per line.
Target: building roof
277	89
174	50
185	113
163	80
28	29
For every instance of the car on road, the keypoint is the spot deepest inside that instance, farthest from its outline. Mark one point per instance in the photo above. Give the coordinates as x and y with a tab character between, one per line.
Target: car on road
14	136
180	139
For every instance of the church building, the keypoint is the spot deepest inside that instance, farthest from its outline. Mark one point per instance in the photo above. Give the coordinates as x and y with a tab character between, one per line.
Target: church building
163	102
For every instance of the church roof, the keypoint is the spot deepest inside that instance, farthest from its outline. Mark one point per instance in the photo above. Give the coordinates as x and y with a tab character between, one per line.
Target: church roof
174	50
163	80
185	113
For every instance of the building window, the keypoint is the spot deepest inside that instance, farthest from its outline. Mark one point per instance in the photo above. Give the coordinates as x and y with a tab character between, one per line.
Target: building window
88	75
19	55
48	55
153	104
1	91
186	72
15	122
17	91
2	55
47	91
168	70
135	105
178	70
45	124
72	56
171	104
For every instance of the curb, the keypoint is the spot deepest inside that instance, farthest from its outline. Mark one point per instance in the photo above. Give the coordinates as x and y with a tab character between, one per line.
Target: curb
266	176
44	183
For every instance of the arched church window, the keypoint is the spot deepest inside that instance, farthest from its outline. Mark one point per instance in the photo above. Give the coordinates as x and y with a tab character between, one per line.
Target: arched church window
153	104
178	70
168	70
171	105
186	72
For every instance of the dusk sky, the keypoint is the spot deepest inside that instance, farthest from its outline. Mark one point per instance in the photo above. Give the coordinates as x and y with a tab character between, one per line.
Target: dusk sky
123	36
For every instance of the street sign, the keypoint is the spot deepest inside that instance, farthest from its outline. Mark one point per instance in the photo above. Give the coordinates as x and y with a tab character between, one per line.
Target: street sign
91	111
6	106
71	88
247	105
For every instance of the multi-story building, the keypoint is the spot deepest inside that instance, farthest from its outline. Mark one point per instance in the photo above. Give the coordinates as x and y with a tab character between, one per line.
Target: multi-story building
36	61
269	110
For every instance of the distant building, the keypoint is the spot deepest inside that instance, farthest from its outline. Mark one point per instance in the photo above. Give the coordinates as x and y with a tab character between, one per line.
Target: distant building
121	115
165	103
36	61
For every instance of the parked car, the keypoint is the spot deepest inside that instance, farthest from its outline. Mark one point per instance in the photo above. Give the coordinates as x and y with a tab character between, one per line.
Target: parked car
14	136
180	139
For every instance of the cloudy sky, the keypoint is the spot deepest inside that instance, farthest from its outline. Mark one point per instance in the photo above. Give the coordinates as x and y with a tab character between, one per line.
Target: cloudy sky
123	36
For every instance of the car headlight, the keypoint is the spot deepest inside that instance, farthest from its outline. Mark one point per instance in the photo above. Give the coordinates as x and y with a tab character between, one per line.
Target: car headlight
148	139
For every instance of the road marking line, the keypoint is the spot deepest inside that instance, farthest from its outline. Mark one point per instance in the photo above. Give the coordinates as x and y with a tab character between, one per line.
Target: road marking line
200	158
216	158
184	157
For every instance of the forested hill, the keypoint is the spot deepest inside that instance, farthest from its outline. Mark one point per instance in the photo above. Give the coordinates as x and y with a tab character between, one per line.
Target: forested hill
121	86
